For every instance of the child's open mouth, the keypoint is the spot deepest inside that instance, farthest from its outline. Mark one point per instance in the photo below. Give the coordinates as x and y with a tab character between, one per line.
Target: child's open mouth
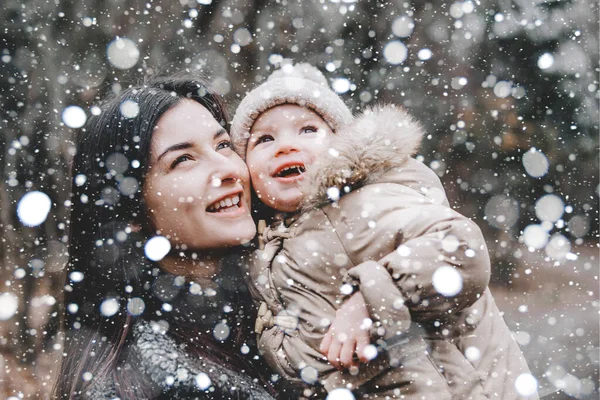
290	171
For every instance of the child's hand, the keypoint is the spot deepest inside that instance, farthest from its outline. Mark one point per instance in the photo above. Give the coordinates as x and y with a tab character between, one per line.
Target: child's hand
347	334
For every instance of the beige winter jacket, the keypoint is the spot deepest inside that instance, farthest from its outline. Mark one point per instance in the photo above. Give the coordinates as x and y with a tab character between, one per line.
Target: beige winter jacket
369	200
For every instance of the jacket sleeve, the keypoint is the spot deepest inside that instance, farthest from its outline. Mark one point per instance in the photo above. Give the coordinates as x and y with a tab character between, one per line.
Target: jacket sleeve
436	256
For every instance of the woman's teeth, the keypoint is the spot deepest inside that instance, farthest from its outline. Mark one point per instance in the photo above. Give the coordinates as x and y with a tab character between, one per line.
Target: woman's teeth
230	203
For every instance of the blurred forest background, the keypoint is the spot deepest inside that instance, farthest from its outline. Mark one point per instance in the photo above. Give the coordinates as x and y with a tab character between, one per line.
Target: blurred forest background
508	91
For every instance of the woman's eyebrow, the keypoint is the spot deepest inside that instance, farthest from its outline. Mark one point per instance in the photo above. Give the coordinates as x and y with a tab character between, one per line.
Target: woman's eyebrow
187	145
178	146
219	133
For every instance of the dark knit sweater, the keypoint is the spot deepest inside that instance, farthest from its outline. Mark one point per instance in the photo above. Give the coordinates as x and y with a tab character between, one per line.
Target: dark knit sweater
172	373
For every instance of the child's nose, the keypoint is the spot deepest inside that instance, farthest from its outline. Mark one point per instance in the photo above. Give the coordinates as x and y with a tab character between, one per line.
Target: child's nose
286	146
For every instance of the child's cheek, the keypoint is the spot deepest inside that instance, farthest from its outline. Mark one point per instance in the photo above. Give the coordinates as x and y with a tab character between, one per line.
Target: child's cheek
255	174
322	137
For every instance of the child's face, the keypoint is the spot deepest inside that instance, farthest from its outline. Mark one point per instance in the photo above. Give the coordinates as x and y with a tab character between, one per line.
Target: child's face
284	141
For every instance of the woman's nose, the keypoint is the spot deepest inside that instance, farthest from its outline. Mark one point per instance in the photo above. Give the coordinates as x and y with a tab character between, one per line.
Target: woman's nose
228	172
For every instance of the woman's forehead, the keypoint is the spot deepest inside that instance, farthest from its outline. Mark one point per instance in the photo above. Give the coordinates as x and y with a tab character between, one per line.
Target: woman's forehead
188	122
187	117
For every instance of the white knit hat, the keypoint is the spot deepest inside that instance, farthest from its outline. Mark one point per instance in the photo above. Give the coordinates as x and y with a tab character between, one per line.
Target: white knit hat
300	84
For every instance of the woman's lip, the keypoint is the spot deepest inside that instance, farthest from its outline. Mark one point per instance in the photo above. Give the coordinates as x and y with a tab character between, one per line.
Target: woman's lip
241	210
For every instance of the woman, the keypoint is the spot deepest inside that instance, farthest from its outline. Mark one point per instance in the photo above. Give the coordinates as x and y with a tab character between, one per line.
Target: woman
153	300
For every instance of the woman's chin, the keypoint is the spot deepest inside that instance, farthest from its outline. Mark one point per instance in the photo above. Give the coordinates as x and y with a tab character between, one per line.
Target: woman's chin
243	234
249	234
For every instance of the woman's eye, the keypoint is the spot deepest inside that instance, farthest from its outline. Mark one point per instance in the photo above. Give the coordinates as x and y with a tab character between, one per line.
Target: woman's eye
224	145
180	159
309	129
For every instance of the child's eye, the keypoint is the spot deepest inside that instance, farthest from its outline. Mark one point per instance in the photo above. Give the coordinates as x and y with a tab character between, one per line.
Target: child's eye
309	129
224	145
263	139
181	159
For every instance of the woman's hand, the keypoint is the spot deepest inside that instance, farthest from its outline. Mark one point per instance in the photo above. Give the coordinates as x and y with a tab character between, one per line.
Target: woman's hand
348	334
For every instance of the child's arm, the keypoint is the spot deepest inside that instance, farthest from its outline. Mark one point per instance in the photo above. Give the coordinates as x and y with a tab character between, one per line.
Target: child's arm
433	282
413	233
348	334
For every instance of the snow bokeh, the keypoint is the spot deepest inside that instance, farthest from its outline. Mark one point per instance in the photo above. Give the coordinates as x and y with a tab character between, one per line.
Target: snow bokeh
526	385
340	394
136	306
473	354
74	117
403	26
129	109
309	375
76	276
109	307
122	53
424	54
545	61
502	211
447	281
203	381
9	304
550	208
221	331
33	208
157	248
535	236
341	85
395	52
536	163
558	247
370	352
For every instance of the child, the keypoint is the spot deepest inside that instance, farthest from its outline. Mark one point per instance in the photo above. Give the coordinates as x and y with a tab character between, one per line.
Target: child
358	212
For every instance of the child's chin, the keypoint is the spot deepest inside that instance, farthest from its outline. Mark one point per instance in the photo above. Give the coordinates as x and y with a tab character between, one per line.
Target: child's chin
289	203
288	207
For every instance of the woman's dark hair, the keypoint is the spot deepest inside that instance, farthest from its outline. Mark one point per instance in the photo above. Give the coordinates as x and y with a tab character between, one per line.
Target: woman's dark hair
109	280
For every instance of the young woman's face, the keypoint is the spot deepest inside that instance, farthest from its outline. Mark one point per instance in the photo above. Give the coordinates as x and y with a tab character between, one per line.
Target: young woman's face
197	188
284	140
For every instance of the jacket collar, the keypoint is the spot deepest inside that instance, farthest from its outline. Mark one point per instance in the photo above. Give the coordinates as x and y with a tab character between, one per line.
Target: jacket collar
282	228
381	138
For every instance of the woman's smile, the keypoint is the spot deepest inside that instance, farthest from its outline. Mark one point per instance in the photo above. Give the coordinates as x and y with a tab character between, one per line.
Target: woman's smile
229	205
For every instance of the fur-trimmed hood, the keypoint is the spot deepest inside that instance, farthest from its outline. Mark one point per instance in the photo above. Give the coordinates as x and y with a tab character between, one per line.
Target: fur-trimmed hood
381	138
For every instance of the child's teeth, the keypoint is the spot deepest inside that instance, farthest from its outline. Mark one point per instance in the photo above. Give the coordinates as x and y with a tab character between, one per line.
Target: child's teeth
228	202
236	199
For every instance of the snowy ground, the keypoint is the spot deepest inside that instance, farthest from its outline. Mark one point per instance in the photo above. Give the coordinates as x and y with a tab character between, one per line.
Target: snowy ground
553	309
